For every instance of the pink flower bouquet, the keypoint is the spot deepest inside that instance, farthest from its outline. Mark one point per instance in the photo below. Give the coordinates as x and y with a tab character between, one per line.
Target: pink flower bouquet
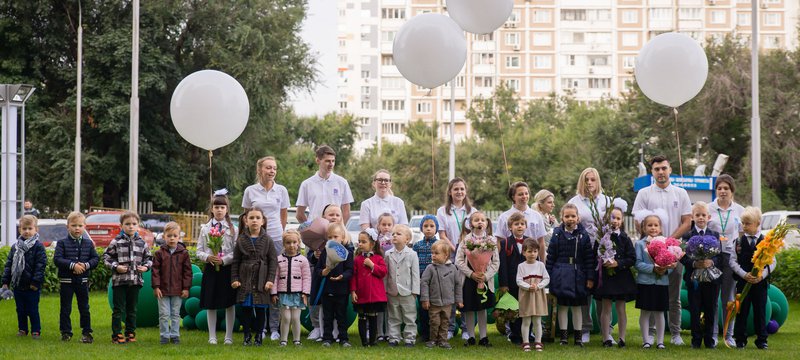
479	251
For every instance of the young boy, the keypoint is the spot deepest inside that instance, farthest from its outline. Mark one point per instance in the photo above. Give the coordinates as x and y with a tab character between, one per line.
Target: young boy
440	288
75	257
402	287
741	263
510	251
128	256
172	278
24	272
703	296
429	227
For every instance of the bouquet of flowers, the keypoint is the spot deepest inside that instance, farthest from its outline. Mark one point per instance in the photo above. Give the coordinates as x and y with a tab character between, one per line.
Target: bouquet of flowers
312	233
215	235
606	252
664	251
704	248
385	240
479	253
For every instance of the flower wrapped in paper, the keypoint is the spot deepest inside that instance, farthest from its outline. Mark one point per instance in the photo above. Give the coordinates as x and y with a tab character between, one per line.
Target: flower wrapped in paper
215	240
700	248
313	233
479	251
664	251
606	253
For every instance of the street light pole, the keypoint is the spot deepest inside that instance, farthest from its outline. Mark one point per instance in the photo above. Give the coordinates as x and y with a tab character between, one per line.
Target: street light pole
133	170
12	98
755	120
76	192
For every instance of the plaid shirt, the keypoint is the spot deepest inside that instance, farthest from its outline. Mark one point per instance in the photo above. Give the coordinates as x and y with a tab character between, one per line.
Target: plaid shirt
423	249
131	252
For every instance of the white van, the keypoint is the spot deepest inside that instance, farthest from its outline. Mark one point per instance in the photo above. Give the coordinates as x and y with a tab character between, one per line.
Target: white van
771	218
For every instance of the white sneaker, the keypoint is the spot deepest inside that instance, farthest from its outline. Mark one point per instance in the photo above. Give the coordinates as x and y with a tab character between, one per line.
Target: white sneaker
275	336
212	341
676	340
585	337
730	342
228	341
464	335
449	335
314	334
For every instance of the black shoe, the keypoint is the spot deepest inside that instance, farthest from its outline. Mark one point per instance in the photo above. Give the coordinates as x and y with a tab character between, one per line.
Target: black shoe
484	342
621	343
762	347
608	344
87	338
578	337
258	339
564	337
248	340
470	342
66	336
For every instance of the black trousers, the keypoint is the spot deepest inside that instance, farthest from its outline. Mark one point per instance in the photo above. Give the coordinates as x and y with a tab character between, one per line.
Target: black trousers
368	324
757	297
81	292
253	319
703	299
334	307
423	325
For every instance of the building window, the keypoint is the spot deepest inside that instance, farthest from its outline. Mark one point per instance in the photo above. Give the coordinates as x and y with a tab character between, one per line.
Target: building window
387	60
513	84
388	35
424	107
484	81
343	58
573	15
573	83
542	62
772	41
570	60
393	105
365	105
718	16
690	14
394	128
630	39
392	83
342	43
598	38
541	16
660	14
598	60
365	74
542	39
512	39
393	13
365	90
599	83
630	16
342	105
772	19
598	15
628	61
542	85
459	82
743	19
514	17
512	62
572	37
483	59
483	37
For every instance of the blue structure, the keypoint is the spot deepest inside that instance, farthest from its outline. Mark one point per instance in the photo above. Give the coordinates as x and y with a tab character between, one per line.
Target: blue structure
700	188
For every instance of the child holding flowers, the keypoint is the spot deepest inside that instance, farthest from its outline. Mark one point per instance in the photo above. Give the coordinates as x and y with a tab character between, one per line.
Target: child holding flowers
652	296
478	260
215	247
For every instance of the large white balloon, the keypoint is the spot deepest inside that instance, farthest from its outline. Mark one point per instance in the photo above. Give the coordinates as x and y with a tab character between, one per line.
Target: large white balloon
430	50
209	109
480	16
671	69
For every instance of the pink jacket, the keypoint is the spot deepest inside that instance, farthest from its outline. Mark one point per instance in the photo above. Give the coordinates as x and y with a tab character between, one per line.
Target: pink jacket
292	276
368	284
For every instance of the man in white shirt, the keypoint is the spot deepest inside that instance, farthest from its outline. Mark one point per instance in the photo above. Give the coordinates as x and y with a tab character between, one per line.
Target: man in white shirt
676	202
323	188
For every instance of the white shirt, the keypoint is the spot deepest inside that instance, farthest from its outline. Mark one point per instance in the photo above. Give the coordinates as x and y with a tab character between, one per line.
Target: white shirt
732	218
451	224
535	221
673	199
271	202
316	193
373	207
583	204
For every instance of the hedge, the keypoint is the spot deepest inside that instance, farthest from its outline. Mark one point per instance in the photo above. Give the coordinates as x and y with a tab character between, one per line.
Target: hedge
787	274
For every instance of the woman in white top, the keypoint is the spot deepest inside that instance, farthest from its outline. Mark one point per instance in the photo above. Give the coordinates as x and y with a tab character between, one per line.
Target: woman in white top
457	207
725	218
590	187
382	202
544	203
519	194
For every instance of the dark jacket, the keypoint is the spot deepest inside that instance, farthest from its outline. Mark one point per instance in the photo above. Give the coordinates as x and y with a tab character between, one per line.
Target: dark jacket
688	263
344	268
570	262
172	273
35	263
69	253
510	258
253	265
622	282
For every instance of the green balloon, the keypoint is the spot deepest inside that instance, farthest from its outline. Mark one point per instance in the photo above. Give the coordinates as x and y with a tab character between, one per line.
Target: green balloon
147	304
194	292
305	319
686	319
193	306
201	320
684	298
196	269
188	323
197	279
776	295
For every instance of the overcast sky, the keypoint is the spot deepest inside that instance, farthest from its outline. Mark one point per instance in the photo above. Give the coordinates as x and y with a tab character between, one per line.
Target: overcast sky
319	31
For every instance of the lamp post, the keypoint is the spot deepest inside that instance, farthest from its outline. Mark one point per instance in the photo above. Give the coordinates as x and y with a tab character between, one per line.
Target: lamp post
12	99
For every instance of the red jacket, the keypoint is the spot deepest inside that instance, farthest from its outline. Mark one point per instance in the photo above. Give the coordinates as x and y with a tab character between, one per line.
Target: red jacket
172	273
368	284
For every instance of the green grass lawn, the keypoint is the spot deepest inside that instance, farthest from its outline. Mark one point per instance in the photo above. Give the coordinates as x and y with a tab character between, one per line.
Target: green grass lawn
194	343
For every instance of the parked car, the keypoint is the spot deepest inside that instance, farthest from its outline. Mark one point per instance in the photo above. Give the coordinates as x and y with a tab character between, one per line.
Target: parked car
353	228
156	223
51	231
414	224
103	226
771	218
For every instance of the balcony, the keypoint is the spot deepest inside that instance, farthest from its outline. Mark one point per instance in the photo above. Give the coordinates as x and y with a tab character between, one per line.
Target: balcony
485	92
460	116
393	115
386	47
585	3
600	70
665	24
483	46
461	93
690	24
481	69
389	70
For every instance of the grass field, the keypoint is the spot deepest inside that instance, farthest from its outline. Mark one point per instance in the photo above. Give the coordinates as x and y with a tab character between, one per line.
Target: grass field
194	343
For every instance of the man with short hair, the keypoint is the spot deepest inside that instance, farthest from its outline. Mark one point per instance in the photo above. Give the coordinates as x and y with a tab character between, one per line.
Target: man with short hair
323	188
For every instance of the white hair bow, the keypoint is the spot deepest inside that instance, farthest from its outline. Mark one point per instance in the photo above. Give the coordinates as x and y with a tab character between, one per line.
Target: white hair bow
621	204
221	192
640	215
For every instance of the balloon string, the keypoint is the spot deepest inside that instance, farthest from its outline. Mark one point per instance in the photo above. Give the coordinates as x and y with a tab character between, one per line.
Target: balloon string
678	137
210	183
433	160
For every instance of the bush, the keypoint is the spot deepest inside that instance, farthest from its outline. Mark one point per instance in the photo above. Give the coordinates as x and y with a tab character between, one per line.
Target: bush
787	274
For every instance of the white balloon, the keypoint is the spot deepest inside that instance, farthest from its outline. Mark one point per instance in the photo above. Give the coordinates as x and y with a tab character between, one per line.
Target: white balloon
480	16
209	109
671	69
430	50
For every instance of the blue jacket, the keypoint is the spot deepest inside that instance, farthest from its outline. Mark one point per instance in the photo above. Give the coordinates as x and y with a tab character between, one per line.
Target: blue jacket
35	263
344	268
644	264
570	262
69	253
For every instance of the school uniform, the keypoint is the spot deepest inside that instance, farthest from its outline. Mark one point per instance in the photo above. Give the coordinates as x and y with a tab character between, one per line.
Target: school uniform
570	263
271	202
652	289
402	287
741	263
703	296
535	223
621	286
215	287
510	254
69	252
317	192
375	206
334	295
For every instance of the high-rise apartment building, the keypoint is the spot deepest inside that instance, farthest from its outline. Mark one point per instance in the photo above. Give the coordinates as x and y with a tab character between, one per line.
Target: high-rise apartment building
585	47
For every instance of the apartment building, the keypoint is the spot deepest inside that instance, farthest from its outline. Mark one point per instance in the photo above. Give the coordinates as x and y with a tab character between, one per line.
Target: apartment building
584	47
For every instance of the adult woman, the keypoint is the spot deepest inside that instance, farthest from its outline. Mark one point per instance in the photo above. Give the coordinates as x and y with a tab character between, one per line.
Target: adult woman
457	207
725	218
544	203
519	194
383	202
273	200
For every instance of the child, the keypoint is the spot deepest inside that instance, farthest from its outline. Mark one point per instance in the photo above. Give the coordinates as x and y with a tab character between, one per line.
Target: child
292	286
332	213
429	226
385	225
478	287
742	263
440	288
75	257
620	287
128	256
24	273
335	290
510	253
172	278
215	288
402	287
252	271
366	285
571	263
703	296
531	279
652	287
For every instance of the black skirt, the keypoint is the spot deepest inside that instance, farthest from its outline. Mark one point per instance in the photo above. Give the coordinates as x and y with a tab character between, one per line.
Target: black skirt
652	297
215	290
472	300
370	308
619	287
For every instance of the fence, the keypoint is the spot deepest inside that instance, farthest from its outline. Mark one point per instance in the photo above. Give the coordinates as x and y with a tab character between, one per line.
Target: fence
190	222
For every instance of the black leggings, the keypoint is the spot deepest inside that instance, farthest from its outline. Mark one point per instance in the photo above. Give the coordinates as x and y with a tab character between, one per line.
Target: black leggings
368	323
253	320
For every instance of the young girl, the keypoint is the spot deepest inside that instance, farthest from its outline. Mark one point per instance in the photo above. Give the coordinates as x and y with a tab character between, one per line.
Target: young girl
24	273
477	298
620	287
292	286
215	289
334	293
252	271
532	278
652	296
571	262
332	213
402	287
366	285
385	225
